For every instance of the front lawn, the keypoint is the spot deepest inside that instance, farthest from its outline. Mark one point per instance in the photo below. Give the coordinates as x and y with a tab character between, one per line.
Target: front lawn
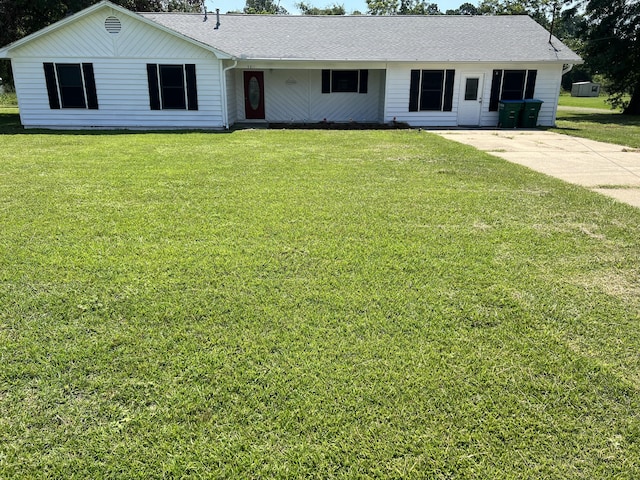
608	126
310	304
593	118
599	102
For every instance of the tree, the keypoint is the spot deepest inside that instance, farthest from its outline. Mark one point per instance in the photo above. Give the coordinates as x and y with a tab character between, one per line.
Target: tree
464	9
612	47
264	7
402	7
193	6
334	9
540	10
382	7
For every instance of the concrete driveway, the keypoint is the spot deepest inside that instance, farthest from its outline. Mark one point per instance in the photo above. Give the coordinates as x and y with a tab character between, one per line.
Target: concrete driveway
609	169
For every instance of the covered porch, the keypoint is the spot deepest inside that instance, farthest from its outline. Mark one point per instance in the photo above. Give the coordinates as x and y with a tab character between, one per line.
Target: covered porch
336	94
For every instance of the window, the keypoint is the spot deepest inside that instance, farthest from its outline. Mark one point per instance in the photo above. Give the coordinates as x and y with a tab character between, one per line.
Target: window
71	85
341	81
172	87
471	89
431	90
511	85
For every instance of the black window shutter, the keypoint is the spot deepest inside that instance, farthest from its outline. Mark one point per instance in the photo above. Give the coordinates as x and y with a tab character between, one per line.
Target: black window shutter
192	90
90	86
413	90
531	83
448	90
364	81
496	85
154	89
52	87
326	81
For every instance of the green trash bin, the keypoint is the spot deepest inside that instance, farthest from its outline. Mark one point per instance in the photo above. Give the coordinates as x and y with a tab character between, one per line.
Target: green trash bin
530	111
509	113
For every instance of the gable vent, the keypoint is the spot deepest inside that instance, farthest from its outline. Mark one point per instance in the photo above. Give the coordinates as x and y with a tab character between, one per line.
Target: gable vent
112	25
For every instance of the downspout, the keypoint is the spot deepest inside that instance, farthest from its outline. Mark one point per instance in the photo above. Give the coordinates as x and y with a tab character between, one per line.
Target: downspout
225	107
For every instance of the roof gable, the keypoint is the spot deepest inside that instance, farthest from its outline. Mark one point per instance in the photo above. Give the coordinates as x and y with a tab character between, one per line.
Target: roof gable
56	31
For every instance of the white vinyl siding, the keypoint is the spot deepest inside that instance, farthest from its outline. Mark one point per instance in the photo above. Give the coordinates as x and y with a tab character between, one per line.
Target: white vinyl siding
397	97
232	107
547	89
87	37
296	96
123	96
119	63
398	88
293	89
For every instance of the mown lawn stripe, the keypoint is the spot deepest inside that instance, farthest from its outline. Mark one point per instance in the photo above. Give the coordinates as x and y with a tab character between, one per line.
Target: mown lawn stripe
310	304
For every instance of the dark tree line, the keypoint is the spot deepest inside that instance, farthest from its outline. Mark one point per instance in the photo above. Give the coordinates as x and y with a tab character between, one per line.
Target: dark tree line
611	46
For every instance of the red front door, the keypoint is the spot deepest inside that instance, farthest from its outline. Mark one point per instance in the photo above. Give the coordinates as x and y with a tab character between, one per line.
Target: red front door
254	95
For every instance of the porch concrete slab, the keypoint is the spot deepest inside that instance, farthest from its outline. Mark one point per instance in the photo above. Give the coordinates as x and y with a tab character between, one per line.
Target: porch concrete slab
609	169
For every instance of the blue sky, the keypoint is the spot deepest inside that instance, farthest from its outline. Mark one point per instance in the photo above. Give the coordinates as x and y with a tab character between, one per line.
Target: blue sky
349	5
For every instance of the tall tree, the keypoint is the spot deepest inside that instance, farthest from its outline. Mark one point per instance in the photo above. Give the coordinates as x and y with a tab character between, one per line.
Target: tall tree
540	10
570	27
612	47
464	9
334	9
264	7
402	7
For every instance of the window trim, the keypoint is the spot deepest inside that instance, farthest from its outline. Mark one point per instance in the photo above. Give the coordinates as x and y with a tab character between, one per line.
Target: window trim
497	86
158	99
417	101
173	96
329	83
473	94
55	87
513	84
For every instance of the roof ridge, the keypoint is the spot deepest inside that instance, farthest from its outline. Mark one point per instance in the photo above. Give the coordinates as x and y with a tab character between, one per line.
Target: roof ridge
334	17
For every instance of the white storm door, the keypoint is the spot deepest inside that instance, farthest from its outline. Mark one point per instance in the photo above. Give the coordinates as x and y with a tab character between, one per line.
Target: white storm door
470	104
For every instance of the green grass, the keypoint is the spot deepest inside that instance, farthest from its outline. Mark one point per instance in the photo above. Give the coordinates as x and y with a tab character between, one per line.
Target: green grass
608	127
9	120
310	304
8	100
600	102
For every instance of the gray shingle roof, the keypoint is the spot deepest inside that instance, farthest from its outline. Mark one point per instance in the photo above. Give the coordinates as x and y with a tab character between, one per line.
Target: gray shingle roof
373	38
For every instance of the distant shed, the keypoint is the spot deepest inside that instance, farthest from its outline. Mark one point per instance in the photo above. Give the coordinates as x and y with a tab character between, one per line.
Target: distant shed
585	89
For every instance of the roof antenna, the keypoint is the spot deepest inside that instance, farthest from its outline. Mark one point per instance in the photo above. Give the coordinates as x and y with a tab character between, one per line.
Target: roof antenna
217	19
553	21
